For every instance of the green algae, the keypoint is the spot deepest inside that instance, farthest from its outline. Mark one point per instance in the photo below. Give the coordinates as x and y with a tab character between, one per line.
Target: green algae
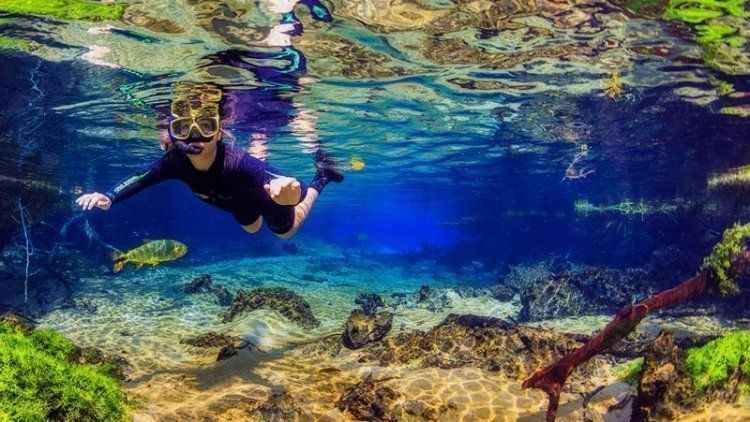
710	365
719	263
631	373
65	9
38	381
719	28
13	44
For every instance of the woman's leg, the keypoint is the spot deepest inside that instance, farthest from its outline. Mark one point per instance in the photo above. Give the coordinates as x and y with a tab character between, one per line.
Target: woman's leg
301	211
255	226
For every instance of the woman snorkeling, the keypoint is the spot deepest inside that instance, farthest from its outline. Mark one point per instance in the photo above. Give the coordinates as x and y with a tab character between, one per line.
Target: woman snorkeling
222	175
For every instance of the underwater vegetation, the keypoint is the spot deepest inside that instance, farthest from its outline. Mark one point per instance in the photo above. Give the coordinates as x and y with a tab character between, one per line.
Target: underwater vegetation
6	42
719	263
613	86
65	9
40	380
628	207
631	373
710	364
735	181
720	27
726	262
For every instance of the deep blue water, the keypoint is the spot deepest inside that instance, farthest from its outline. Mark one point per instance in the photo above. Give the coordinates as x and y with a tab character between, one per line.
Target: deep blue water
442	167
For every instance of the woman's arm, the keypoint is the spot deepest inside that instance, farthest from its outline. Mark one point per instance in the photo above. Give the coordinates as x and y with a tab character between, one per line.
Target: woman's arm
157	172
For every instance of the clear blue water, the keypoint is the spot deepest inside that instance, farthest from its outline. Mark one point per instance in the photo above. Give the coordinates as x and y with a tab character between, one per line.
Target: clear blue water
479	134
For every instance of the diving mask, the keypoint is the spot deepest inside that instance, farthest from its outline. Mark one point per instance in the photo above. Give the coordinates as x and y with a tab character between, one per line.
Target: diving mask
188	114
206	126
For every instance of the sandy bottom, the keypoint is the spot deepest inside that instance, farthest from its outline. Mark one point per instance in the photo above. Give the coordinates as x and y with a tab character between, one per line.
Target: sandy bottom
142	315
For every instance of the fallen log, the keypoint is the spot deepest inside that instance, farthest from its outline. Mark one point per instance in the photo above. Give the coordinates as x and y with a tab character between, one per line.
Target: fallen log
727	261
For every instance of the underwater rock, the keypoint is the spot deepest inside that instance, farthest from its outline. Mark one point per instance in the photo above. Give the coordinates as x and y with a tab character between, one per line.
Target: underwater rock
226	352
19	323
209	339
398	299
204	285
498	292
370	302
361	329
521	277
589	292
327	346
665	389
434	300
279	407
482	342
369	400
283	300
115	366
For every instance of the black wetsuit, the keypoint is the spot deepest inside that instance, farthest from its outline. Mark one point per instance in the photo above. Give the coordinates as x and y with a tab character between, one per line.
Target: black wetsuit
233	183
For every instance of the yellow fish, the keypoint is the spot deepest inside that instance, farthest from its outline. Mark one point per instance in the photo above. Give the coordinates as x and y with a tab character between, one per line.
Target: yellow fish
357	164
151	252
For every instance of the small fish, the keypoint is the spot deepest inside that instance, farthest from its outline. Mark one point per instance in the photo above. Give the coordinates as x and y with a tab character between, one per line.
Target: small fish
151	252
357	164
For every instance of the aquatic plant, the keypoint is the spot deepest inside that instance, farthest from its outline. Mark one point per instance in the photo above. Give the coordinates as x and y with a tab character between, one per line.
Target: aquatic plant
65	9
734	181
729	251
613	86
710	364
10	43
628	207
631	373
719	27
29	247
571	172
38	381
719	263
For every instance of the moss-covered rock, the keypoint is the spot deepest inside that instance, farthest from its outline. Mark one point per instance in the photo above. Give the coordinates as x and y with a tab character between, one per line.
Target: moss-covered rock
719	263
361	329
285	301
38	381
474	341
665	390
712	364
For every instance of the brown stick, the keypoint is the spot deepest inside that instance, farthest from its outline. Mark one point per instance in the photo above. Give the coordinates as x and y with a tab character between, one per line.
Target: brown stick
552	378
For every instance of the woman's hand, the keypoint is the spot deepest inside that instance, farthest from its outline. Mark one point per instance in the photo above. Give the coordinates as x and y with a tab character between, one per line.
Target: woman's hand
91	200
284	190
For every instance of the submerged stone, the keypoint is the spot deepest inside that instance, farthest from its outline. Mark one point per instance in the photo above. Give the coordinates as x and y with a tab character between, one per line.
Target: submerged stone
369	400
665	388
361	329
283	300
370	302
204	285
483	342
19	323
209	339
226	352
589	292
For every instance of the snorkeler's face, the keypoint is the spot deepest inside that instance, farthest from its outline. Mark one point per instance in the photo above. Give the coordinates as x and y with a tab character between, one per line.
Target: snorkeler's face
194	129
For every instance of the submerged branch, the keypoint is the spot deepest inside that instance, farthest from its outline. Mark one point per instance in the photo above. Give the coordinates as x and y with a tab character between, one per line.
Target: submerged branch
552	378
